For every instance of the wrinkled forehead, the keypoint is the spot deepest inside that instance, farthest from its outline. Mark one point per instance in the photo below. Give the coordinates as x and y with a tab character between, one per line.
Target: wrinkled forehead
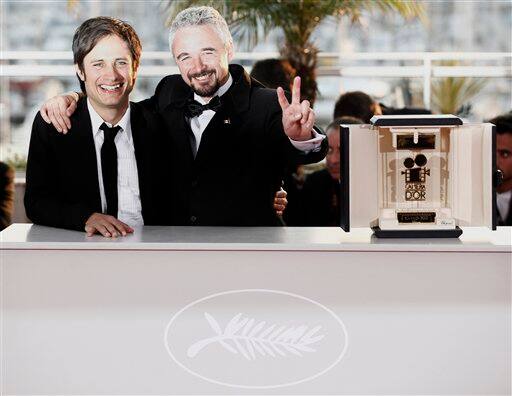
197	36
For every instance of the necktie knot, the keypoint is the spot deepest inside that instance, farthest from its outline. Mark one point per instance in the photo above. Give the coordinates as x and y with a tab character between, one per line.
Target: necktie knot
109	133
195	109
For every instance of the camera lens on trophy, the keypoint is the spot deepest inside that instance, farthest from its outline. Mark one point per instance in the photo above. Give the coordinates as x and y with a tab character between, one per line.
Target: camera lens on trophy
408	162
420	160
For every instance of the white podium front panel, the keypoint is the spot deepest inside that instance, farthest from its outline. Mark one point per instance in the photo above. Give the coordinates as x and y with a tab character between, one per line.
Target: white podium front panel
172	310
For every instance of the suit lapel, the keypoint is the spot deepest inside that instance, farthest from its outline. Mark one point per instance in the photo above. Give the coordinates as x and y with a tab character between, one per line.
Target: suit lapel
85	144
141	135
508	220
178	129
215	129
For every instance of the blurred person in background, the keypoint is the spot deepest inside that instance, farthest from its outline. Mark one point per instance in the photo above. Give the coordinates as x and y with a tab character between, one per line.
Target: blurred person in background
356	104
360	105
6	195
274	73
504	162
320	197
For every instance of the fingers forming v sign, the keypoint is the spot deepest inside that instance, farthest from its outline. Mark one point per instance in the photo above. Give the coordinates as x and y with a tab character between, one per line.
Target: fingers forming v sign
298	117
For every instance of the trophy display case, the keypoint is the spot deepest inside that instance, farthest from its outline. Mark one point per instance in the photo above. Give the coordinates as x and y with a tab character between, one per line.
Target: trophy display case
417	175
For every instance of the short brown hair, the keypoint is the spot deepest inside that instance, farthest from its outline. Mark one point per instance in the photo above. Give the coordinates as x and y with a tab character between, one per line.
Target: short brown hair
93	30
355	104
274	73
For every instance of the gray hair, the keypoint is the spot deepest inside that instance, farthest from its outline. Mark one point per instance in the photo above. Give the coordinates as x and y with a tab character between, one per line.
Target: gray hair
197	16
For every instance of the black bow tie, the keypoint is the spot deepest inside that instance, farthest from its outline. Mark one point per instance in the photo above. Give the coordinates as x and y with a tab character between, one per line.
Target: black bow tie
194	108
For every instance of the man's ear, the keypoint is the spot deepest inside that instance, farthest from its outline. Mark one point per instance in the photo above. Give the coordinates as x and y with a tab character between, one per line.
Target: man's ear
79	73
376	109
231	52
135	71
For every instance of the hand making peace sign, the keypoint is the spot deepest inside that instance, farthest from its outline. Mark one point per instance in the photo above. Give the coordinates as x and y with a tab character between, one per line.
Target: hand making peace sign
298	117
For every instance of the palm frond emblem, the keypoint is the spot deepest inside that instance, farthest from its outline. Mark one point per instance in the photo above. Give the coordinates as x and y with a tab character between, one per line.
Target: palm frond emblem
250	338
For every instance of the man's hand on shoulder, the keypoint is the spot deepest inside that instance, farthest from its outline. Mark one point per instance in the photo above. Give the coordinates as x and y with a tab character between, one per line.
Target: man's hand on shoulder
106	225
57	110
298	117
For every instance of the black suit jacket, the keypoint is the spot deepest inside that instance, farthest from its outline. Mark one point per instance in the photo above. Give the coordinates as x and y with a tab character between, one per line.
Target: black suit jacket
241	158
62	188
320	199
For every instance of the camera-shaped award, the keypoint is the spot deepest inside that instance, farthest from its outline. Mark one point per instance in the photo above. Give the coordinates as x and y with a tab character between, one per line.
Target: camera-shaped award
418	176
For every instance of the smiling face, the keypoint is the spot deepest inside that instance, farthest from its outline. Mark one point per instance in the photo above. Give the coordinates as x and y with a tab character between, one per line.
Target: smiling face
108	73
202	58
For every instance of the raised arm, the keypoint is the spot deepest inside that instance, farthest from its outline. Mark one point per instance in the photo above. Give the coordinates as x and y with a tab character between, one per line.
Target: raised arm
298	117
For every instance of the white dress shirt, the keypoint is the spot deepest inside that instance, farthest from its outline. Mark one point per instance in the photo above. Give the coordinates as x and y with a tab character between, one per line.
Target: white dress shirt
198	124
128	196
503	203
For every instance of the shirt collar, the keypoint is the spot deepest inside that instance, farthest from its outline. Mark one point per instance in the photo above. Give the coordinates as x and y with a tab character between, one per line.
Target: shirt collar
506	194
221	91
96	120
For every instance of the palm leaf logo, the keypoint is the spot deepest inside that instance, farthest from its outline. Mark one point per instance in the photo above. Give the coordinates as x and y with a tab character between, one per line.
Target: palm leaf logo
246	336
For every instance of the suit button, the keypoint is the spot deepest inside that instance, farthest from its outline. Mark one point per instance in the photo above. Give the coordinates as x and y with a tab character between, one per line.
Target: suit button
193	219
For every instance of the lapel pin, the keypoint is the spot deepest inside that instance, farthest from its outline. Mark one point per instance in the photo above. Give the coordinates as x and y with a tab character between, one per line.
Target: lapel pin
227	121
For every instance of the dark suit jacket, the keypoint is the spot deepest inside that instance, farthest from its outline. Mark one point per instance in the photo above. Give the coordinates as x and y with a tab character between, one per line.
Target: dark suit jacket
320	198
62	187
241	159
6	195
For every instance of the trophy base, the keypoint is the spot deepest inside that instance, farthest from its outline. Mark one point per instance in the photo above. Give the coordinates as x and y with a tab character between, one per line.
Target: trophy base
451	233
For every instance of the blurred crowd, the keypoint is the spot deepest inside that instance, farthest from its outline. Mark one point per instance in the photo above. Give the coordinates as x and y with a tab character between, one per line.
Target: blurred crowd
314	198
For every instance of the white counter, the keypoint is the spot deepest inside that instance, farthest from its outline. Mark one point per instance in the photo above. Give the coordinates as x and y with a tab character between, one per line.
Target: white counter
28	236
150	313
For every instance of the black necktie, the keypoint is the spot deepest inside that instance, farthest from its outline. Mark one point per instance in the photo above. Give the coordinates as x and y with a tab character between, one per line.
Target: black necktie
194	108
109	167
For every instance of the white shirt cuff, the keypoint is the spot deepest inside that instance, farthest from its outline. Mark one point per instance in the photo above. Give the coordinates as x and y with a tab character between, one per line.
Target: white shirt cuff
312	144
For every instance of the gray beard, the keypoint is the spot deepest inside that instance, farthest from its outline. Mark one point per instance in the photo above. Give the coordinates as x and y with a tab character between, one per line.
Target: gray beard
207	92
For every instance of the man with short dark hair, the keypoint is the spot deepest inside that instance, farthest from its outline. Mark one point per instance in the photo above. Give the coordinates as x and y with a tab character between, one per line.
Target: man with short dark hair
274	73
102	176
504	162
356	104
360	105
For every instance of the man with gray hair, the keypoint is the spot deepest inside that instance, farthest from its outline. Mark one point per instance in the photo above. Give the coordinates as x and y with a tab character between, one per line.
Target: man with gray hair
230	137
